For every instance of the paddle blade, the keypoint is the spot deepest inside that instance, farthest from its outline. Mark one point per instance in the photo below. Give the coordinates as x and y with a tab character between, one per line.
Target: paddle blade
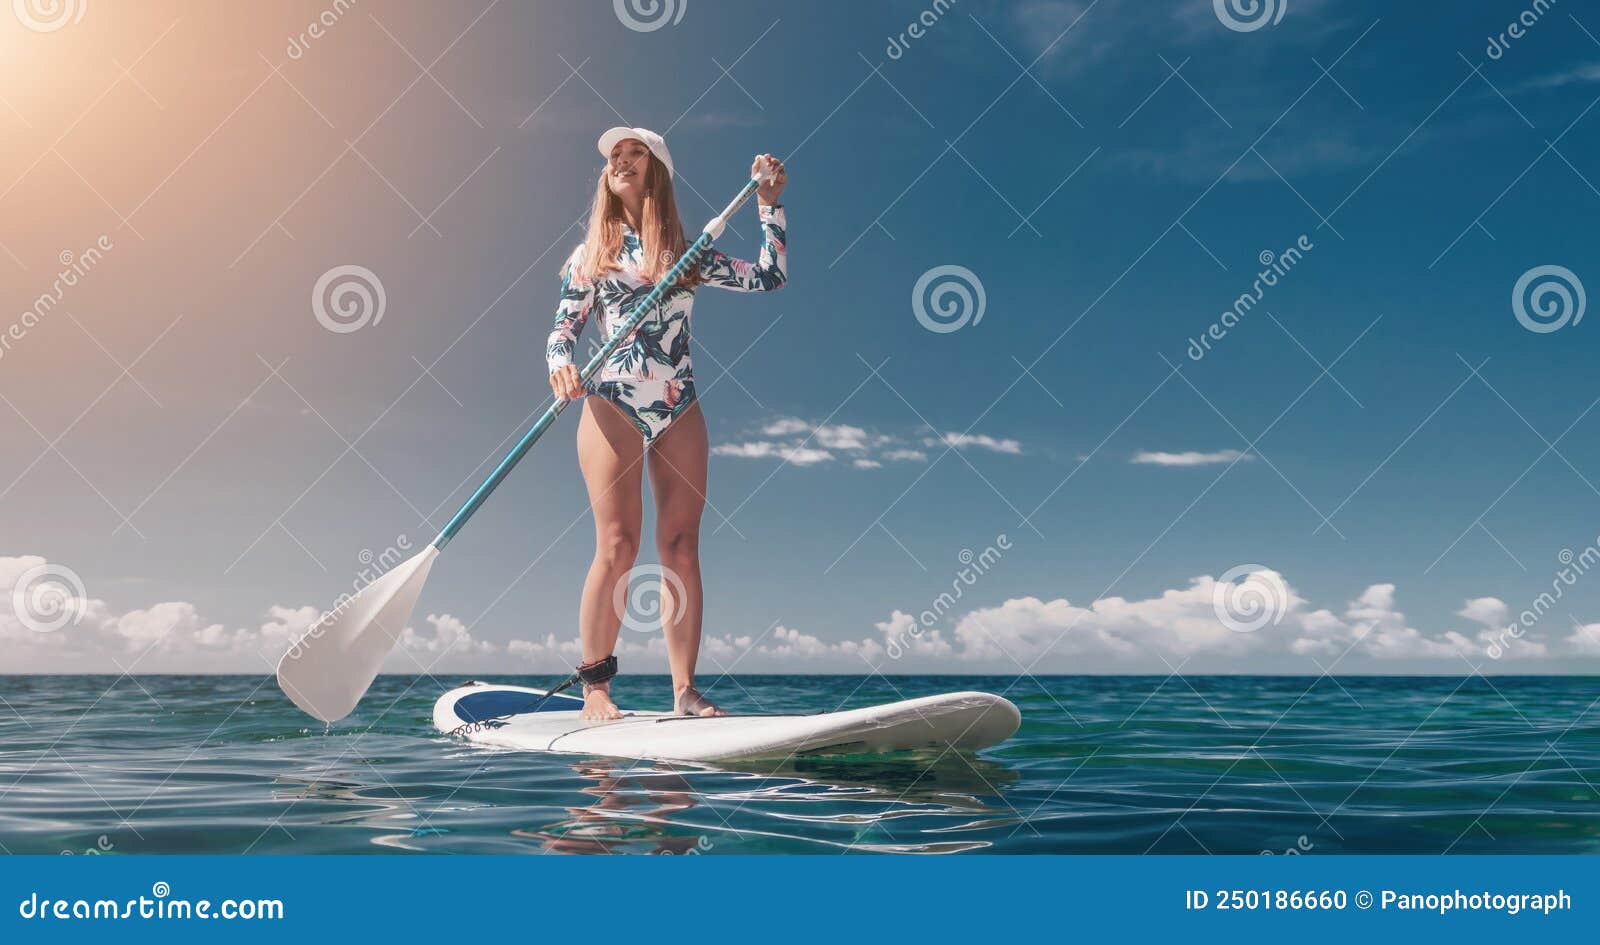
328	670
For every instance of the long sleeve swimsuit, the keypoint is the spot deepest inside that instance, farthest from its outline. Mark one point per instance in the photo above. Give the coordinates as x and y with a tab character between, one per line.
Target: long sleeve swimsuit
650	376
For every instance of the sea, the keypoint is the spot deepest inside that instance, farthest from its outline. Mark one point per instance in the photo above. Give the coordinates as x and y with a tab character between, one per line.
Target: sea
1277	765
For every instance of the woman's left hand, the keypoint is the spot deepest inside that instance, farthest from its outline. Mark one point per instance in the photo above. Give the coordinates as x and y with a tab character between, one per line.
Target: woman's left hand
773	178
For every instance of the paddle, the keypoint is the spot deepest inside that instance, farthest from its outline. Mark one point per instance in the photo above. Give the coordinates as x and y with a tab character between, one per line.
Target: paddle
328	670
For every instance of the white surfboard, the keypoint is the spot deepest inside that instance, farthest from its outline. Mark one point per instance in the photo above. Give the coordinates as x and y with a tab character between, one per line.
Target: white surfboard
962	721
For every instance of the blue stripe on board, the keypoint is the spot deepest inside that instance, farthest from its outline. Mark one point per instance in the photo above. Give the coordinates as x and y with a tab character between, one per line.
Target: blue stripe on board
494	703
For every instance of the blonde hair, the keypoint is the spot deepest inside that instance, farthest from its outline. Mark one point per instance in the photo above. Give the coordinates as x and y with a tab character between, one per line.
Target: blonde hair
661	232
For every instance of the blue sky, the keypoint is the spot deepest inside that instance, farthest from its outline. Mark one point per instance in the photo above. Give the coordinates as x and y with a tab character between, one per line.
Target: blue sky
1111	173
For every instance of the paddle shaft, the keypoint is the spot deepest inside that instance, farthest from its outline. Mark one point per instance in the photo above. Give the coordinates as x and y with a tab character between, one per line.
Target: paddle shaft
690	257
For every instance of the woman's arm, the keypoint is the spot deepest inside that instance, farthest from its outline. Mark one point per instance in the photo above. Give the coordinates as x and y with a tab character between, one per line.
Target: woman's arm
768	273
572	311
771	270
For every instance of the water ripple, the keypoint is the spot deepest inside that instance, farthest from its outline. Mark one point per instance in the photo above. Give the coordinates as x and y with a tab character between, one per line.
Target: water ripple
1101	764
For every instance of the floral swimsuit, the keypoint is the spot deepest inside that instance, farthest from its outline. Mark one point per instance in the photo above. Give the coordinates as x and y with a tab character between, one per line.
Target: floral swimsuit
649	376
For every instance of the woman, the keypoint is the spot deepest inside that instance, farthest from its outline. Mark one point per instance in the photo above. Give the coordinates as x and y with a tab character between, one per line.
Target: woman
640	411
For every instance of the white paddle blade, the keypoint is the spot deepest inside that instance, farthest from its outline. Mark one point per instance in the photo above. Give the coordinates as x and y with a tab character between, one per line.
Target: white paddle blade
328	670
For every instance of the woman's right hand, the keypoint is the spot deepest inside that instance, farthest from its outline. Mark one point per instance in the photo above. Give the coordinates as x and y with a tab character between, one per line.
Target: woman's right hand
566	384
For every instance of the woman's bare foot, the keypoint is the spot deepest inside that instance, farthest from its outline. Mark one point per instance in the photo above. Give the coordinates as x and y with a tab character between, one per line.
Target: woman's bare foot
688	700
598	707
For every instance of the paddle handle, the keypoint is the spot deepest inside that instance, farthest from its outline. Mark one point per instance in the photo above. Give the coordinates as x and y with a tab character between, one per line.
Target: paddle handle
691	256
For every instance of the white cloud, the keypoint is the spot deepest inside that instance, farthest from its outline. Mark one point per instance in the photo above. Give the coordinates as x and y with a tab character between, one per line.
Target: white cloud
786	426
842	437
171	623
1181	627
1585	640
1489	611
766	449
963	441
809	444
168	636
1190	458
804	443
172	637
1156	634
450	636
902	634
806	456
1582	75
906	455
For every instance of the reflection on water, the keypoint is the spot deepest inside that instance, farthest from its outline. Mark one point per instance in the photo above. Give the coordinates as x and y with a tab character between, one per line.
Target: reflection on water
355	804
645	811
631	812
905	803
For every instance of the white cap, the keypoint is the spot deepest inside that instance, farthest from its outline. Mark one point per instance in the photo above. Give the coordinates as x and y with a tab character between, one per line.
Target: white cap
653	141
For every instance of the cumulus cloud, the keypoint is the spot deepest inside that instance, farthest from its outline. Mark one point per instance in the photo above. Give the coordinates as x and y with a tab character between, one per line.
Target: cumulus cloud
1585	640
804	443
1186	627
1193	627
906	456
168	636
902	632
1190	458
172	637
1489	611
842	437
1188	624
963	441
786	426
449	635
766	449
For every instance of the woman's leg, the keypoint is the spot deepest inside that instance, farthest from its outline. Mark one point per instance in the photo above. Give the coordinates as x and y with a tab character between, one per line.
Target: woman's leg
677	463
610	451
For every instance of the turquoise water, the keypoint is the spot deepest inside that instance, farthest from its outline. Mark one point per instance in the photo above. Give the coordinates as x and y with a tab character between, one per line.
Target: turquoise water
199	764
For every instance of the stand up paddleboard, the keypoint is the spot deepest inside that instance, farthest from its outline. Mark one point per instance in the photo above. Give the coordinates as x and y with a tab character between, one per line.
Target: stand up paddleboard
499	716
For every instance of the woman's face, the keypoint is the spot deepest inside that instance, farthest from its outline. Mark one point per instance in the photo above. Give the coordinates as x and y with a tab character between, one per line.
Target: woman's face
630	160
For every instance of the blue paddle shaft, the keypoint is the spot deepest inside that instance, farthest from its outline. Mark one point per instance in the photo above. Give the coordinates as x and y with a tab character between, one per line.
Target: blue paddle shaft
689	258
